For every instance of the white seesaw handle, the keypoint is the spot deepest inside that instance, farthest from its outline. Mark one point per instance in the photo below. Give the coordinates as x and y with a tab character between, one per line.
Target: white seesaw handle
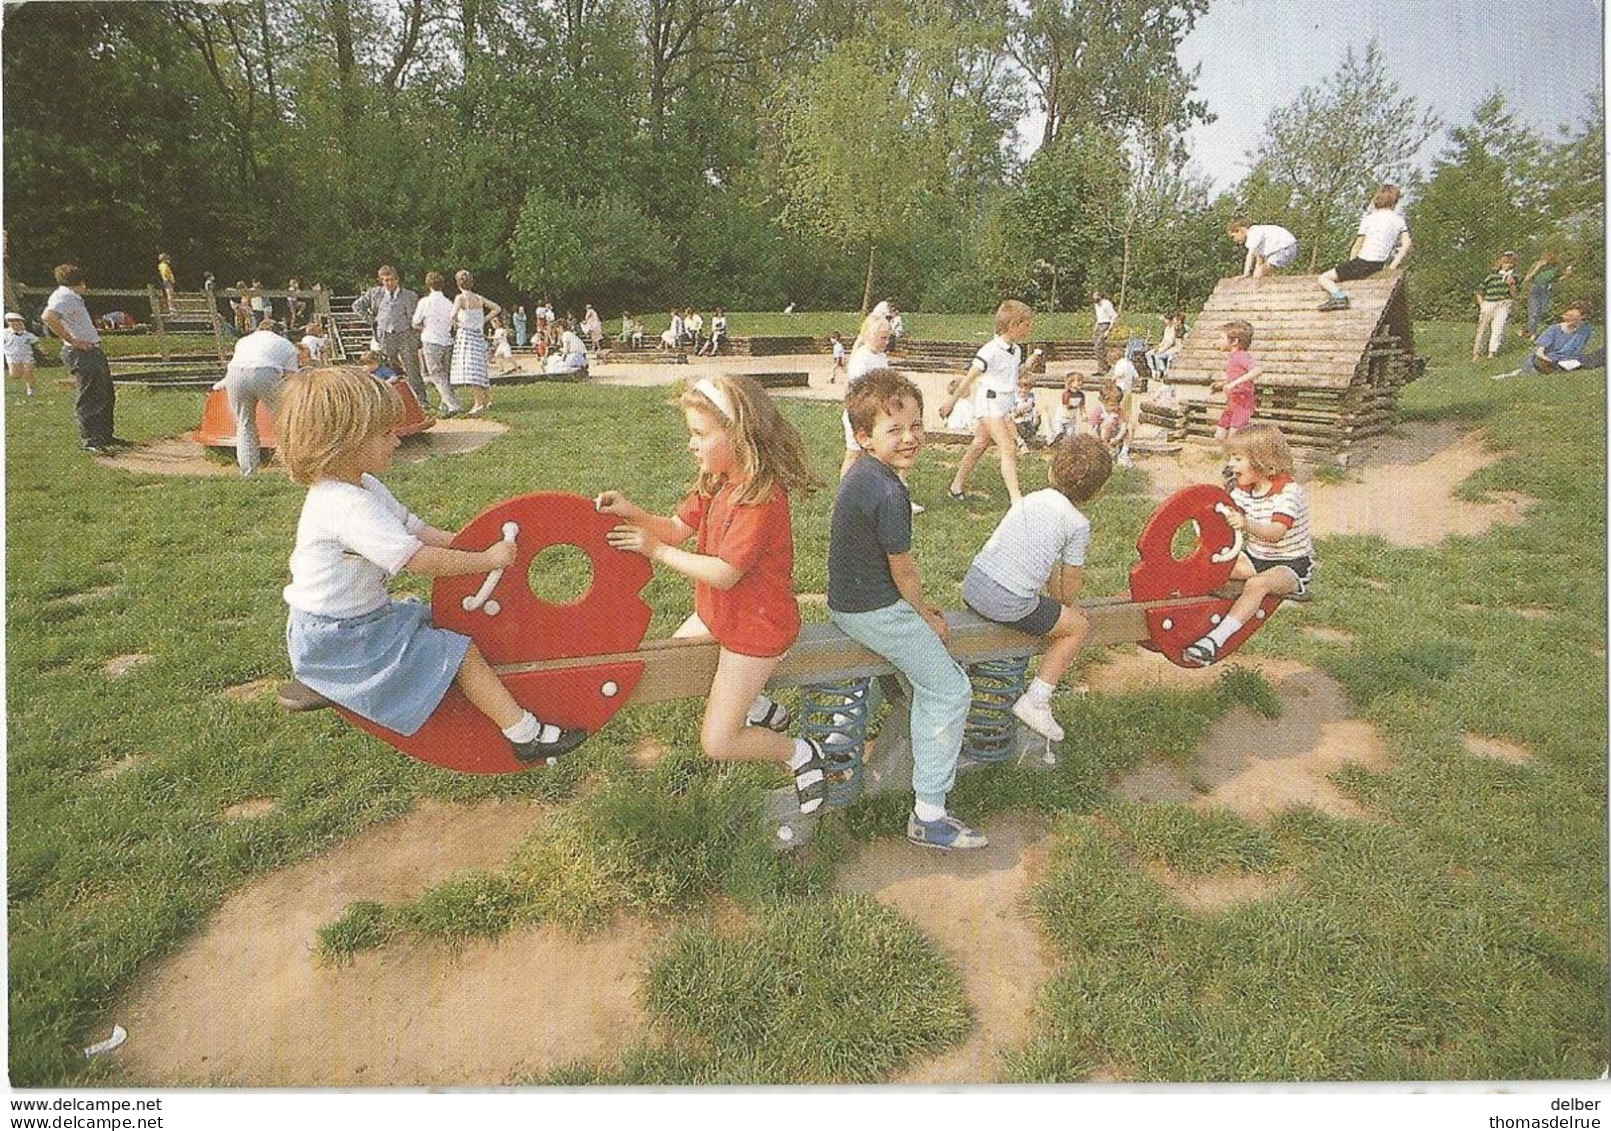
1234	550
480	598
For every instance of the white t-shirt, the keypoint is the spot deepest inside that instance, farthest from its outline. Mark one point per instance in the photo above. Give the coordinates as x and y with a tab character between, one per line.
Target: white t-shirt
264	349
314	345
1124	374
1287	504
838	351
19	345
1038	534
1265	240
1381	228
69	307
349	541
862	362
1104	312
433	318
1001	360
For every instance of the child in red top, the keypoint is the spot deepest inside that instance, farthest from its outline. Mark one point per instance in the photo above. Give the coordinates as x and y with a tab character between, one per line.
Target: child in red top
742	566
1240	372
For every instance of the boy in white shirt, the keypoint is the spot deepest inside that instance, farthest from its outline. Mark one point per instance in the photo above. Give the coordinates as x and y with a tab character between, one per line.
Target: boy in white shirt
1041	545
1383	241
1269	246
995	369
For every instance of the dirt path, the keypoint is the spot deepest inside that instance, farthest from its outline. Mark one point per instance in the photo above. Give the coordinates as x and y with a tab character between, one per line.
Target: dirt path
245	1004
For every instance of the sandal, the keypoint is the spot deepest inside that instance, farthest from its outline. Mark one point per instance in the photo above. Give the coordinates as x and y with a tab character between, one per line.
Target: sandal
811	780
1202	653
776	717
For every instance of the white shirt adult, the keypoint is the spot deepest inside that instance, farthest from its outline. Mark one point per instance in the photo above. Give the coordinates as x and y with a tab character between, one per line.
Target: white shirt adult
264	349
1104	312
1044	530
1123	373
350	539
433	318
1382	229
68	305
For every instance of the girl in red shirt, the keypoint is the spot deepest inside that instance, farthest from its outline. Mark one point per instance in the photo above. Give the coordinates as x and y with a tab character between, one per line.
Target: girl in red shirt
742	566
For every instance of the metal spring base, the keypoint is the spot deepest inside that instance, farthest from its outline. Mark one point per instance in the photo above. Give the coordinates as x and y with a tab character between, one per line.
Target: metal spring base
992	728
835	716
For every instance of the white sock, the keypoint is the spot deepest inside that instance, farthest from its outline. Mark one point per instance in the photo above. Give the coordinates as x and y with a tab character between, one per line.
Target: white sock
1224	630
802	754
1040	692
758	709
926	812
525	728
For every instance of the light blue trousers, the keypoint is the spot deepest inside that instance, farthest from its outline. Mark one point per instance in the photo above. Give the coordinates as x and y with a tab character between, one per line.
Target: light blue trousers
941	692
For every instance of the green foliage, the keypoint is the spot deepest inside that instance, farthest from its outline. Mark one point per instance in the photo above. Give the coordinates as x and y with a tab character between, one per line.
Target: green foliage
546	249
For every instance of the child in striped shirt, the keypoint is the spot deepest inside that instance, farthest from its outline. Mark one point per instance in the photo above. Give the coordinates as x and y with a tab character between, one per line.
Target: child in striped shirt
1278	559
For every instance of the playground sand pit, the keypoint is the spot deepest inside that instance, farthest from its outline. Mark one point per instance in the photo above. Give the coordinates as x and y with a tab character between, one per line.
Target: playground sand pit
180	455
245	1003
1249	764
1402	491
974	908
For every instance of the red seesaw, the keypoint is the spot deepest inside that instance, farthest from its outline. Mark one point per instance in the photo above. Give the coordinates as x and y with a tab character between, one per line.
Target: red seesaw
577	664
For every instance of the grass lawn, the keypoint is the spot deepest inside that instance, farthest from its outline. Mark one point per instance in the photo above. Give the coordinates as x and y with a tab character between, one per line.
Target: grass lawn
1458	931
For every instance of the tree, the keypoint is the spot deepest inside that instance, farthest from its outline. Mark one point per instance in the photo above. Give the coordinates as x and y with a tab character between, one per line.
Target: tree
1105	61
1486	195
545	252
1333	144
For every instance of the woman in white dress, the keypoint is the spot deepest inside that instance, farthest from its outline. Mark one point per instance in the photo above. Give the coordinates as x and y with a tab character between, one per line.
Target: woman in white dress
470	312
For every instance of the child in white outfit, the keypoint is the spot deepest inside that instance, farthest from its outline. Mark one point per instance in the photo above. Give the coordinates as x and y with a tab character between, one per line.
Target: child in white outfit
348	640
19	351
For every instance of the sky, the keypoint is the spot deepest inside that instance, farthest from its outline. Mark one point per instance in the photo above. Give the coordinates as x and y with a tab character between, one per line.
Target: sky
1546	55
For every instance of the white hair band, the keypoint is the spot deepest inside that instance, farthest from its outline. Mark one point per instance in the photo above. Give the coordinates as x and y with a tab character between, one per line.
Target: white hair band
714	394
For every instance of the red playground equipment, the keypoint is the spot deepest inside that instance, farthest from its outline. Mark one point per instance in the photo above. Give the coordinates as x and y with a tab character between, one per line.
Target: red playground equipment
577	664
218	422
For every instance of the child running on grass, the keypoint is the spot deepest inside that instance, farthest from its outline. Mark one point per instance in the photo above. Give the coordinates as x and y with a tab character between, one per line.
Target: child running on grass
995	368
742	566
348	640
1278	555
19	351
875	596
1041	546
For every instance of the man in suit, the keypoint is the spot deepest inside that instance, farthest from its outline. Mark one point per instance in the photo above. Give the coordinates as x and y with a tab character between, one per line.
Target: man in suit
391	306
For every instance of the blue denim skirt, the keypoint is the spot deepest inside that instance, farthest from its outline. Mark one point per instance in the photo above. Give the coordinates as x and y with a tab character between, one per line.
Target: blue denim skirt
391	666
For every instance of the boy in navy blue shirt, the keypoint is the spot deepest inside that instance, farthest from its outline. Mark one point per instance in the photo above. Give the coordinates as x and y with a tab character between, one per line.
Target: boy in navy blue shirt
875	595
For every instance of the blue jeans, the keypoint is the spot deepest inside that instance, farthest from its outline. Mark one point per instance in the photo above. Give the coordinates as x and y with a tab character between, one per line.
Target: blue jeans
941	691
1538	305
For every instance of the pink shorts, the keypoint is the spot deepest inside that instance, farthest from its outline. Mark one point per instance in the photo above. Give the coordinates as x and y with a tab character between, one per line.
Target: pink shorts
1236	416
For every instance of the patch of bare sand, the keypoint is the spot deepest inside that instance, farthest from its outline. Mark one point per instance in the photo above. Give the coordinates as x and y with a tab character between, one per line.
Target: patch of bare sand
250	809
1216	892
1247	763
1401	490
119	666
973	907
180	455
252	689
1497	749
122	766
1328	635
245	1004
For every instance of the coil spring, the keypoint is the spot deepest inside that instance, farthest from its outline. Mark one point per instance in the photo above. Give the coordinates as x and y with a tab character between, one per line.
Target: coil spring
835	716
992	728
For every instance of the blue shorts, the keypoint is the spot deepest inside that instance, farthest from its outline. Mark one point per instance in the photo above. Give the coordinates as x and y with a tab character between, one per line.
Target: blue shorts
1035	615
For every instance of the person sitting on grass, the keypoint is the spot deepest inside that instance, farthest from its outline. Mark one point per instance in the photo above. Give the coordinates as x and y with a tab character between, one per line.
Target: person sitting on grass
1273	516
1041	545
1559	348
1383	241
348	640
749	458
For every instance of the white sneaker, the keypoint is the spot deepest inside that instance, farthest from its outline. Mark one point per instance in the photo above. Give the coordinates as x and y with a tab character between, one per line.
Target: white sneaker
918	508
1037	717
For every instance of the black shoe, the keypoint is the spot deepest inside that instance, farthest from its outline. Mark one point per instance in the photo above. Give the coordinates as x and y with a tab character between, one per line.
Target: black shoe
537	751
